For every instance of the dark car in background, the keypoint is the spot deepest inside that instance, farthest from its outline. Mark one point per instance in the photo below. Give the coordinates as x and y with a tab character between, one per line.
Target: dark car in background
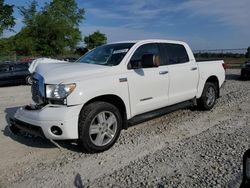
245	70
15	73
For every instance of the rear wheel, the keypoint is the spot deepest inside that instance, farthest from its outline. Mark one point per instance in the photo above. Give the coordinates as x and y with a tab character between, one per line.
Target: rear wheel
100	125
242	75
208	97
28	80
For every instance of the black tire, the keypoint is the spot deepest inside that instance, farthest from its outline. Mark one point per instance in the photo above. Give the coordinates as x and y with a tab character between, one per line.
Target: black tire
243	76
87	116
28	80
14	129
204	102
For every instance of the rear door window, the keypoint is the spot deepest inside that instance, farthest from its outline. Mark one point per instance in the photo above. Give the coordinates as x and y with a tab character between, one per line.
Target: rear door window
21	67
176	53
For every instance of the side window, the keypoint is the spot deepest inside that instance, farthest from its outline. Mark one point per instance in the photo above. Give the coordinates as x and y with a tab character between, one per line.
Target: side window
4	68
176	53
143	50
20	67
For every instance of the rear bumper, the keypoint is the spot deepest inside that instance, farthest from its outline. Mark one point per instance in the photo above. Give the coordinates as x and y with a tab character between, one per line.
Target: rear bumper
39	121
245	72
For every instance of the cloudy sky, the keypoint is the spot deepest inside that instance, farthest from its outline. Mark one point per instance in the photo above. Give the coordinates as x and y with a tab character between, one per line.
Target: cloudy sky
204	24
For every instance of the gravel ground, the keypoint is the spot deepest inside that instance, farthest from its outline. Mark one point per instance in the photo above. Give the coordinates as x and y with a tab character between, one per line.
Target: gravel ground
186	148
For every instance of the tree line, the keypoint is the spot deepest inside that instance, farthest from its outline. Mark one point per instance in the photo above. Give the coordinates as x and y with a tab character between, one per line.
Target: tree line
53	30
222	55
50	30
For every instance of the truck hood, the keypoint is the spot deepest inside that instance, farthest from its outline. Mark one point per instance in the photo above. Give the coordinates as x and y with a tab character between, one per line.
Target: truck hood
56	73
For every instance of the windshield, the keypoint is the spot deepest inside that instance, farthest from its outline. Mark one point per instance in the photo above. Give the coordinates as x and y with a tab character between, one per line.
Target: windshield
110	55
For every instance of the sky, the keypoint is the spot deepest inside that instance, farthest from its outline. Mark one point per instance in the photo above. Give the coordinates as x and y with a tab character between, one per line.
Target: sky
204	24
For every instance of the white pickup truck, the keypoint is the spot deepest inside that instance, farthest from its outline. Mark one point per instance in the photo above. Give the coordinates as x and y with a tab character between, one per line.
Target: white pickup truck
113	86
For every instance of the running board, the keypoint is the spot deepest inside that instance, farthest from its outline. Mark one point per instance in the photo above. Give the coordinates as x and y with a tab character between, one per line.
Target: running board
159	112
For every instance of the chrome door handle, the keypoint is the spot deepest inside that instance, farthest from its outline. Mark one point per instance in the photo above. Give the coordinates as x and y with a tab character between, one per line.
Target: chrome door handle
194	68
163	72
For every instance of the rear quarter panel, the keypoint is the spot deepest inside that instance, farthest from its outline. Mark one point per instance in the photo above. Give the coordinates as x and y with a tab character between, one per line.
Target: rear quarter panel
208	69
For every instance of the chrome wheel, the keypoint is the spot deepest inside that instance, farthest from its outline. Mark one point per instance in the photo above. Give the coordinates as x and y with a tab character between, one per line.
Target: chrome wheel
29	80
210	96
103	128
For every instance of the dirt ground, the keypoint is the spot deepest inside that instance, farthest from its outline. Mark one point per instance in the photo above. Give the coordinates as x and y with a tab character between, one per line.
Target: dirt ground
186	148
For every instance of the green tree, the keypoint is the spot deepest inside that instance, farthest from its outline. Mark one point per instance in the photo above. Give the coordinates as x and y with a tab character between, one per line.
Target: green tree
7	21
95	39
51	31
58	27
29	13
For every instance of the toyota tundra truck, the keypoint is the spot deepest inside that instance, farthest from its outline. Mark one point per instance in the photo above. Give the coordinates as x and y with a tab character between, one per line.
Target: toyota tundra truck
114	86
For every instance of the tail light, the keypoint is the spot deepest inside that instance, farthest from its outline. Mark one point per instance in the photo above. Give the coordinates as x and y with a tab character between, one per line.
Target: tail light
224	66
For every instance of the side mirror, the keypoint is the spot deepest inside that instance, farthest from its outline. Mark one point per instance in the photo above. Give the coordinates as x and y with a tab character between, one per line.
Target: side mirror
134	65
150	60
246	170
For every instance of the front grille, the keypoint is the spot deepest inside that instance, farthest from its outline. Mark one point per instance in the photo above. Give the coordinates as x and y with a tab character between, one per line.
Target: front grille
35	91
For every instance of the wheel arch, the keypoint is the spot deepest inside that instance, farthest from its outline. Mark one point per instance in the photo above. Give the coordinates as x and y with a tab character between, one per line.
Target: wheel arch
114	100
213	79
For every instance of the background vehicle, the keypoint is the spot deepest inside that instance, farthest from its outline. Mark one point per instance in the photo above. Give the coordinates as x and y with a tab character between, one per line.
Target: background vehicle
246	170
116	85
15	73
245	70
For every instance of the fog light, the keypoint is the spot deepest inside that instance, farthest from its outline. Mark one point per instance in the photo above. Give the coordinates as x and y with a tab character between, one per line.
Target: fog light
56	130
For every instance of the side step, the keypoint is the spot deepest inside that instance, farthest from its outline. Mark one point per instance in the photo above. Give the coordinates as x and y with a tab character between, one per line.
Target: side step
162	111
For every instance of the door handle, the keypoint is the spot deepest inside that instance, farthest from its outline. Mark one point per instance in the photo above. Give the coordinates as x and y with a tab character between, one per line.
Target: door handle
194	68
163	72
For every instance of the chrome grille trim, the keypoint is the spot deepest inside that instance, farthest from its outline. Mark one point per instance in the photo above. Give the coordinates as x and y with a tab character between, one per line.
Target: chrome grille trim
37	89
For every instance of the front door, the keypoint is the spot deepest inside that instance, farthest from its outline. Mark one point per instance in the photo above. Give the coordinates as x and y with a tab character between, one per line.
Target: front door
148	87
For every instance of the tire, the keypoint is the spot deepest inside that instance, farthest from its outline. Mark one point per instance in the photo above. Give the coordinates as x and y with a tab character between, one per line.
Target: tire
208	97
28	80
14	130
96	133
243	76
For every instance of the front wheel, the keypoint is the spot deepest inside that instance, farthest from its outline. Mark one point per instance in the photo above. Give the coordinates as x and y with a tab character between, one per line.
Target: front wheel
208	97
100	124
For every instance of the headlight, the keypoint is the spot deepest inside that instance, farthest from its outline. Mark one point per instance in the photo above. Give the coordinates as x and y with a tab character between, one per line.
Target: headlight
60	91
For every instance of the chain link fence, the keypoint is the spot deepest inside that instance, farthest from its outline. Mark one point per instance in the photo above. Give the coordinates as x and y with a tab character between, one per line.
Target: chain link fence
232	57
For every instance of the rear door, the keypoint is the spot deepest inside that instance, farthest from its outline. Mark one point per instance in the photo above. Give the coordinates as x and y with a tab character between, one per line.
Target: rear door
20	71
183	73
148	87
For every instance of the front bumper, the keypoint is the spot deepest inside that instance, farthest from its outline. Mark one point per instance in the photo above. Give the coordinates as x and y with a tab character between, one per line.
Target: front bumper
39	121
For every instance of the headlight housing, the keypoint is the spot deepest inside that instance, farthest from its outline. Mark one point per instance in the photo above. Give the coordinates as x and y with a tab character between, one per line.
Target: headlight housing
59	92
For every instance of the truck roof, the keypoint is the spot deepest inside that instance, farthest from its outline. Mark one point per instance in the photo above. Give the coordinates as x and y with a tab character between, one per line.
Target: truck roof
149	40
